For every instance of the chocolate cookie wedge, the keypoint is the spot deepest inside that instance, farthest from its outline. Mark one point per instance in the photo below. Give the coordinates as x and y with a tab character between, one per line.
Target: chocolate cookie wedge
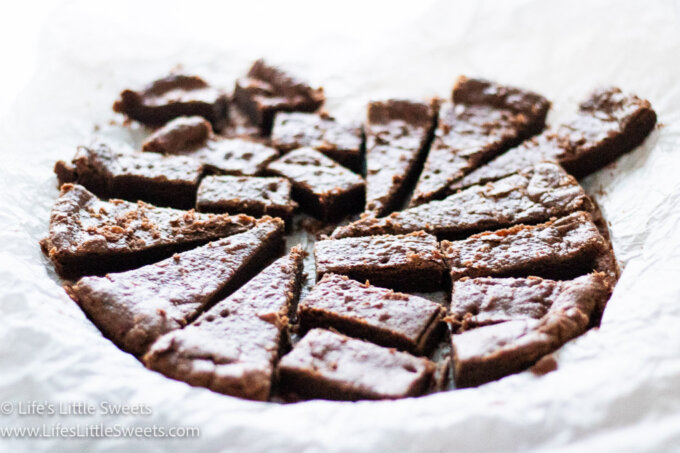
410	262
124	173
376	314
172	96
342	142
477	302
608	124
252	195
268	89
134	308
191	137
91	236
234	156
326	365
179	135
531	196
559	249
487	353
232	347
322	187
398	134
484	120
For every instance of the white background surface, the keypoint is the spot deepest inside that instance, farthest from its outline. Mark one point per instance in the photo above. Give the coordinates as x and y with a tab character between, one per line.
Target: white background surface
616	389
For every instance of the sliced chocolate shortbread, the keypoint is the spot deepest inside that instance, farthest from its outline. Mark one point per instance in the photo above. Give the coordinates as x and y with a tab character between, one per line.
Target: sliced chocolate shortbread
379	315
484	120
91	236
328	365
178	135
477	302
322	187
531	196
398	134
560	249
232	347
193	138
410	262
268	89
252	195
134	308
173	96
537	319
608	124
124	173
342	142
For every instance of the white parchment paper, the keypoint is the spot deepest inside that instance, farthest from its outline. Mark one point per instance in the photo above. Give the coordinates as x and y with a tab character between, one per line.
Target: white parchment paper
617	388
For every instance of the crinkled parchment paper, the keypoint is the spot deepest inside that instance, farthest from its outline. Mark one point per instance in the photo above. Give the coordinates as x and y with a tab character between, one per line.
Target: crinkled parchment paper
617	388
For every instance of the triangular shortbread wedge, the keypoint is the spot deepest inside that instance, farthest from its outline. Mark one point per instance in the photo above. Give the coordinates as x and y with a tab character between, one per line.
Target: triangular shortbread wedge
484	120
398	134
533	317
121	172
477	302
372	313
134	308
561	249
405	262
321	186
530	196
268	89
341	141
89	236
232	347
192	137
608	123
329	365
172	96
